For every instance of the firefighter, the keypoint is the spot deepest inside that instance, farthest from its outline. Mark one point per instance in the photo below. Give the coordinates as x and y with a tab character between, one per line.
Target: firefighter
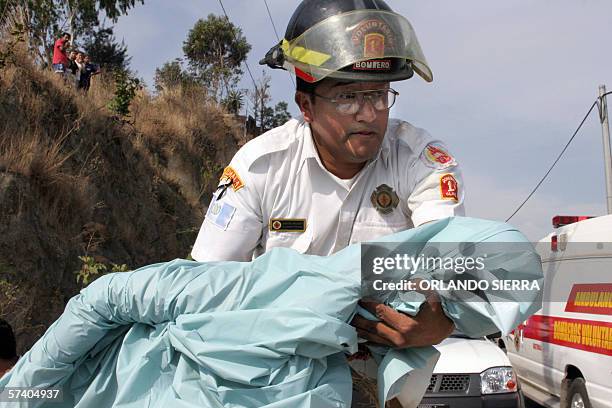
343	172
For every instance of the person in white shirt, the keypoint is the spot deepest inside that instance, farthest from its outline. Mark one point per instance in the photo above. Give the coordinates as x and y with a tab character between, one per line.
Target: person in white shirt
344	172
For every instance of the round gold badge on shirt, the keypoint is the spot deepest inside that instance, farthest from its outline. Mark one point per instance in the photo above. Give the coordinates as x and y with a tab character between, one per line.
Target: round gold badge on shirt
276	225
384	199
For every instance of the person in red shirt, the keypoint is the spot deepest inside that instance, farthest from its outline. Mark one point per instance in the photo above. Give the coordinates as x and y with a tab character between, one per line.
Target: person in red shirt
60	58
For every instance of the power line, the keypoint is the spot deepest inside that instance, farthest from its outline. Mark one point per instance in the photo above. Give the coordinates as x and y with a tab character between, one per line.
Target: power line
596	103
272	20
235	39
277	36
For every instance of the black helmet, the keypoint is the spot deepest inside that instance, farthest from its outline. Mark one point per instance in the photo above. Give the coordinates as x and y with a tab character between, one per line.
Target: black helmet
355	40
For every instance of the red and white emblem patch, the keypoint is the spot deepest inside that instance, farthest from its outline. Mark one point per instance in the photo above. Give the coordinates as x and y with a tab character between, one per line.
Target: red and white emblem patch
435	156
449	188
229	174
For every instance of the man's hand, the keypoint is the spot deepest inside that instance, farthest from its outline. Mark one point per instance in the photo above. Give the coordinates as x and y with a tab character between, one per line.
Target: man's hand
430	326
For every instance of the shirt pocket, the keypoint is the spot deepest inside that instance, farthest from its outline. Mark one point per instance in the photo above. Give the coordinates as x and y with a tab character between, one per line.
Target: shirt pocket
369	231
300	241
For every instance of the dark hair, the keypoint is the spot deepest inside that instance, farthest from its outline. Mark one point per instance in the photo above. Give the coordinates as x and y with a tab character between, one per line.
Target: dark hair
304	86
8	345
64	33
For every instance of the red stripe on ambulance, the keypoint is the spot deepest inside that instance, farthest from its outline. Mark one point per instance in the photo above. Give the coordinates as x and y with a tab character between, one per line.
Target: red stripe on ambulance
589	335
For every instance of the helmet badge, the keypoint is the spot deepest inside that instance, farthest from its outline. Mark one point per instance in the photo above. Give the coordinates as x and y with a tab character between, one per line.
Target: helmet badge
374	45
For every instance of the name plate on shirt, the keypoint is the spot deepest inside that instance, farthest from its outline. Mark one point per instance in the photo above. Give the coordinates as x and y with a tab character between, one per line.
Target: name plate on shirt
287	224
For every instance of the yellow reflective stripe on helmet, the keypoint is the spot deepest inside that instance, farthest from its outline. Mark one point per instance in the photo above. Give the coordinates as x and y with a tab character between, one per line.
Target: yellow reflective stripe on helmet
304	55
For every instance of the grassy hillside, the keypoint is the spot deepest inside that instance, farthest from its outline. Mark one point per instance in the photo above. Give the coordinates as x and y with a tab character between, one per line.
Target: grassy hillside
81	190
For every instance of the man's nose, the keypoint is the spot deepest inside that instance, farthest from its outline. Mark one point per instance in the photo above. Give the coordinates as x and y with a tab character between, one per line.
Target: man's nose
366	112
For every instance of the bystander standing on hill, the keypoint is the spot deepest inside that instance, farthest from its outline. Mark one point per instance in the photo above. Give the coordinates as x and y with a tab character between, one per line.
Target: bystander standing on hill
8	347
72	66
60	58
87	72
80	66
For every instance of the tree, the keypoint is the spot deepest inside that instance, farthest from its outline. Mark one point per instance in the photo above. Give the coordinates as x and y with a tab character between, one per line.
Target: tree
267	122
233	102
275	117
104	50
260	97
265	116
44	20
215	49
171	75
281	114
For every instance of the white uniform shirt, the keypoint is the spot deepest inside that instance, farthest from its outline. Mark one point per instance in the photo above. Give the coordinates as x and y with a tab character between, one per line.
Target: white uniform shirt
276	192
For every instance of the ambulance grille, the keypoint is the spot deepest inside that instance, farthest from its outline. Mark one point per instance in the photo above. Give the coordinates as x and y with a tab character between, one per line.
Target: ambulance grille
454	383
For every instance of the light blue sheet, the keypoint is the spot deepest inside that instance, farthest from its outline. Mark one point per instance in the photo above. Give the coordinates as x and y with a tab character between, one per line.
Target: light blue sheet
269	333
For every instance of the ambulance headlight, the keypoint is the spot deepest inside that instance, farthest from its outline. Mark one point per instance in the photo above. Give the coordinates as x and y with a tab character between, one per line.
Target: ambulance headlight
497	380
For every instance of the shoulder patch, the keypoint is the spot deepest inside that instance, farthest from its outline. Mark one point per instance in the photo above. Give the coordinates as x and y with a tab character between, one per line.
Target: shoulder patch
230	175
435	156
220	214
449	188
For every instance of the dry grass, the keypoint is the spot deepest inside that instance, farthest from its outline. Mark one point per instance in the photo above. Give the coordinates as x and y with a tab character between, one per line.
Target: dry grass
189	133
51	133
182	119
366	386
43	162
67	163
36	134
179	133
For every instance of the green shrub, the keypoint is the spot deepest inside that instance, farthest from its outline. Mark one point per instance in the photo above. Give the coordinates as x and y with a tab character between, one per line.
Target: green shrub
125	92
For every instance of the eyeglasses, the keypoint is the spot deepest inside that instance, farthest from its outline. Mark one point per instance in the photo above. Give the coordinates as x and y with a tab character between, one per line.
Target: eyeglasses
349	103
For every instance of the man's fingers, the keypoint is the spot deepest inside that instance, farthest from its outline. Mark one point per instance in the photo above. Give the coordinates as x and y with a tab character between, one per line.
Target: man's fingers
373	337
372	326
369	305
391	336
397	320
363	323
429	326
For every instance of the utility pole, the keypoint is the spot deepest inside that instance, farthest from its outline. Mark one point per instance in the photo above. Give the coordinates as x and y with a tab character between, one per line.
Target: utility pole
246	114
605	131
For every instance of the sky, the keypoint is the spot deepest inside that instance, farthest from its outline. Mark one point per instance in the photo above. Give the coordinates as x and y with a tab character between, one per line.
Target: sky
512	82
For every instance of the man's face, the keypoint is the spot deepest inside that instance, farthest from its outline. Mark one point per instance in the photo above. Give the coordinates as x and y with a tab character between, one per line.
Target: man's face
72	55
86	59
79	57
348	138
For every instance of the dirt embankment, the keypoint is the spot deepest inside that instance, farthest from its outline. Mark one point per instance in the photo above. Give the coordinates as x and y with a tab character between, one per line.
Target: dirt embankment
77	182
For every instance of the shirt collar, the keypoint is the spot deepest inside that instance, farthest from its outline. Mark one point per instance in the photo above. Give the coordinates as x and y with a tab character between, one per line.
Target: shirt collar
309	150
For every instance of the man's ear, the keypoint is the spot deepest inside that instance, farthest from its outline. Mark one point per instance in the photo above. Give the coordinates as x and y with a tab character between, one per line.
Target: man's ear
304	102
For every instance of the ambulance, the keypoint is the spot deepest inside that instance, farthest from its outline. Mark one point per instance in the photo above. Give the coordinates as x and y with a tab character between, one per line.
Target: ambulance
563	354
